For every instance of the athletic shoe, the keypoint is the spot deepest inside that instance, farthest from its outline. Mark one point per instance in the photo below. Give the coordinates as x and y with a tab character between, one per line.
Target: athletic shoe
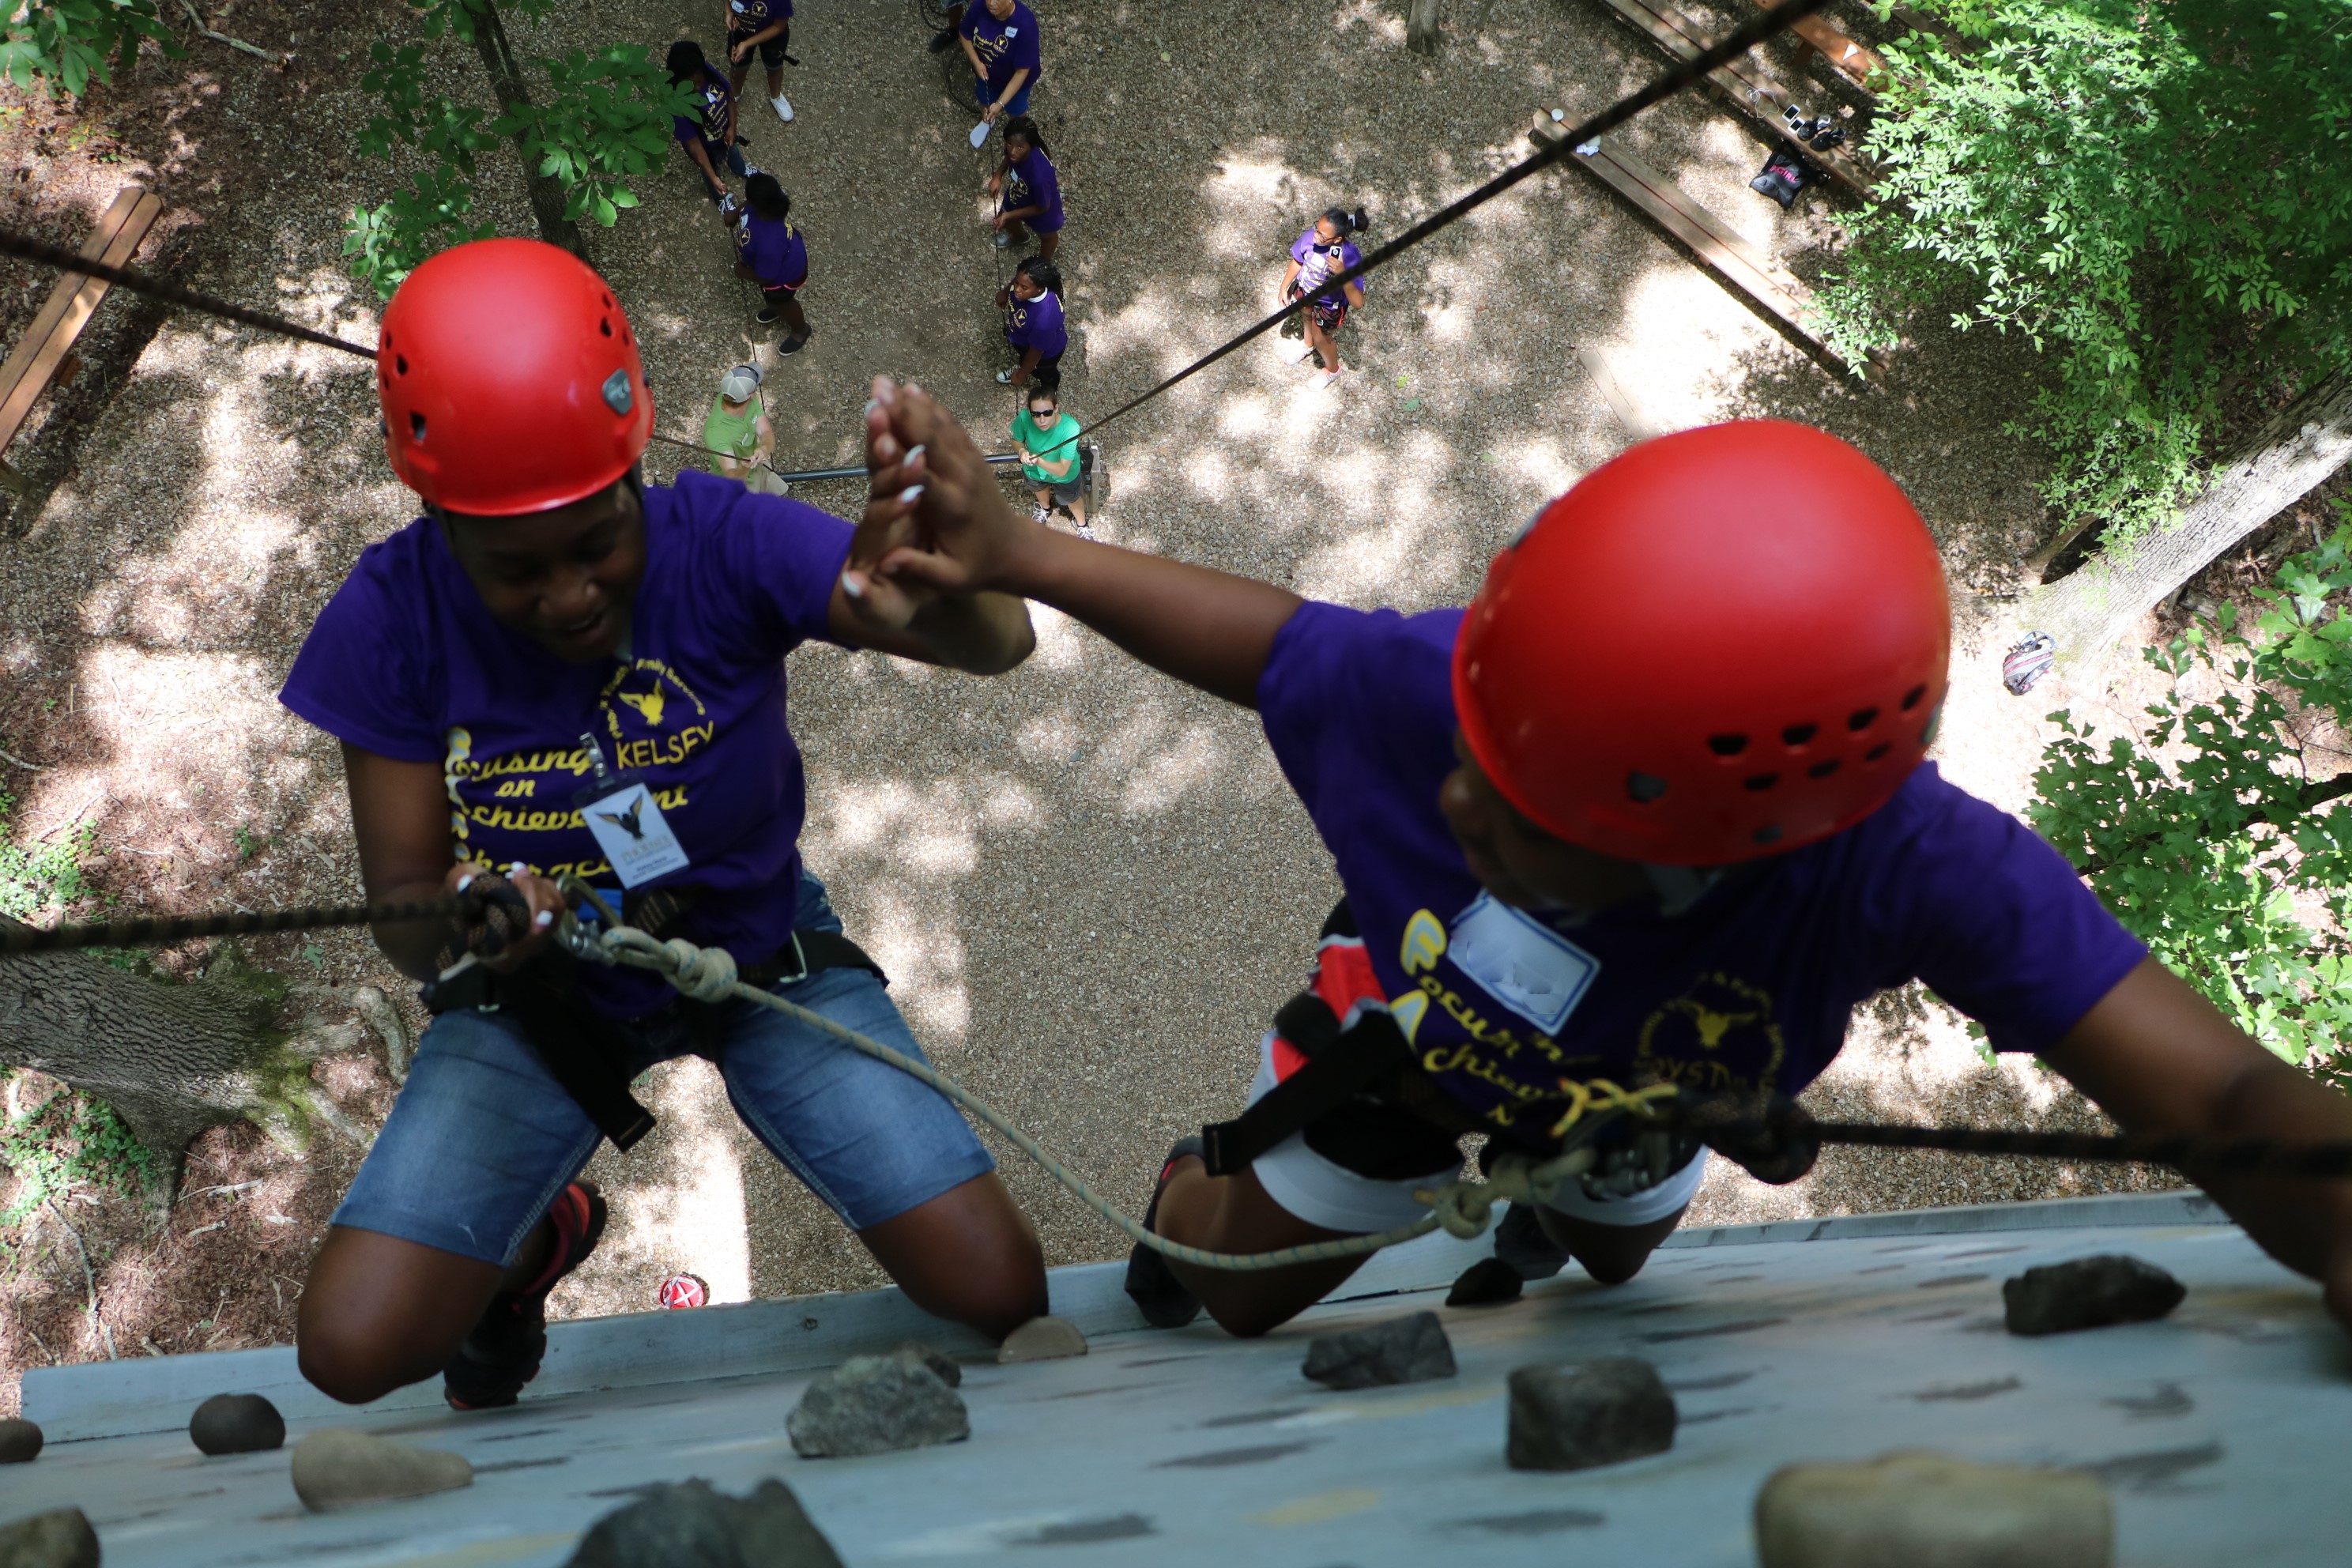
784	107
795	345
1322	380
943	41
1292	349
769	316
503	1352
1040	514
1152	1285
1003	240
1086	531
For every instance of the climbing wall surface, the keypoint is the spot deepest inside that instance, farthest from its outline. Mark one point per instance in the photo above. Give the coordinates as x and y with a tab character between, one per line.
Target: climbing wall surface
2216	1429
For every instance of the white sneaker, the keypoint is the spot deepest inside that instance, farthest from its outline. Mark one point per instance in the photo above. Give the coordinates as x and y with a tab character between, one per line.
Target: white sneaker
1293	350
1086	531
1321	380
1003	240
1040	514
784	107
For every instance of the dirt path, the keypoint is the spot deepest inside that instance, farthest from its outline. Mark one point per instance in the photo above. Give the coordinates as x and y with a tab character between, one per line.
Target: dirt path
1089	886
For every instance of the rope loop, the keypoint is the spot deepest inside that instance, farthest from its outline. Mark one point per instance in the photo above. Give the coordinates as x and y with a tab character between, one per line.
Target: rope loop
704	973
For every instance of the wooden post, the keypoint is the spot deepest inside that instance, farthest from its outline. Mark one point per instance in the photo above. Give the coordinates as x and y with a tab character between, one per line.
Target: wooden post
1421	27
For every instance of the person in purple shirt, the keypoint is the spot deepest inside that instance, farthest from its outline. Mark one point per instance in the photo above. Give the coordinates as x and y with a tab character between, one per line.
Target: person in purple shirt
775	257
558	669
1032	304
1028	193
708	134
1000	39
1654	809
1321	254
766	27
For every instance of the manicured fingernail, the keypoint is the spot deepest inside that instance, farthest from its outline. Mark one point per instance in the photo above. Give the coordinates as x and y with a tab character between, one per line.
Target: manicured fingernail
914	455
885	393
871	405
911	495
546	918
852	587
516	869
466	881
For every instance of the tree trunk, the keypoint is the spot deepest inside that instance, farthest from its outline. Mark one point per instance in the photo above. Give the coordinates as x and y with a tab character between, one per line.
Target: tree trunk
1421	33
2089	610
507	83
173	1059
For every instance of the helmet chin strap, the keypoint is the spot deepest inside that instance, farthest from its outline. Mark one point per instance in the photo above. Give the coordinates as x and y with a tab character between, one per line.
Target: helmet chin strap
1680	887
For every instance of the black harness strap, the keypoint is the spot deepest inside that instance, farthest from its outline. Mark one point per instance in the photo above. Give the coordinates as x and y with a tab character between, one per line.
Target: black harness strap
1340	1064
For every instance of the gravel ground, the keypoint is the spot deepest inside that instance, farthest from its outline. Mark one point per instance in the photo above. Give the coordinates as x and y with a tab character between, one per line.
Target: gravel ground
1090	885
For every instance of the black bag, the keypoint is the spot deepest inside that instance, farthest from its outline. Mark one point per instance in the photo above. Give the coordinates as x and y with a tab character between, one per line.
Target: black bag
1785	174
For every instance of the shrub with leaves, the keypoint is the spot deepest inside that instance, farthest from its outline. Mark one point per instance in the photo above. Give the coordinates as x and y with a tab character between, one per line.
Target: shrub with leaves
2157	197
68	42
66	1142
46	876
2208	834
594	121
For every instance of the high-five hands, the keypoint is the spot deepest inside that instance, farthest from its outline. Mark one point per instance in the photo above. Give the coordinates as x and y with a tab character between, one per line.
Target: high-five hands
936	520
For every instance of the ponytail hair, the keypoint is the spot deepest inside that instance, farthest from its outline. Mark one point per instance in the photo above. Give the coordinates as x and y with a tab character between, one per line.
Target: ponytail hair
1346	222
1042	273
1023	126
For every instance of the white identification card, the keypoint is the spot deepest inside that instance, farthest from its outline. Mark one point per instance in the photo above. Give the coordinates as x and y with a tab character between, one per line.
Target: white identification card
1521	962
629	829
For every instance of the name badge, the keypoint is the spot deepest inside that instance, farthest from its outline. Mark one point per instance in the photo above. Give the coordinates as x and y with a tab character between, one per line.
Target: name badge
628	826
1012	32
1521	962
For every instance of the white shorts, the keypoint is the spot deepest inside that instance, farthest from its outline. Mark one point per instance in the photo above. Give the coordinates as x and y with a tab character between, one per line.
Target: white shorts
1324	1193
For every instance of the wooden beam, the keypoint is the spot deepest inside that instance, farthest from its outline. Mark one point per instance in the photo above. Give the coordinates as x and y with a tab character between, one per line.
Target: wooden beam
1749	83
1628	414
37	354
1858	61
1715	244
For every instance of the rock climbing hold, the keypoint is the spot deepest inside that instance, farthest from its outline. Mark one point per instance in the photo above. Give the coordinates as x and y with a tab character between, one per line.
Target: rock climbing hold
2088	1293
20	1442
1931	1509
61	1538
1585	1413
874	1404
692	1526
1402	1350
337	1467
236	1423
1041	1338
949	1369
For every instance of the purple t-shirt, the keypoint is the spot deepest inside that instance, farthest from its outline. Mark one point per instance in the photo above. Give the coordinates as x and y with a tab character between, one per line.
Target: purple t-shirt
1033	183
1003	47
1315	266
407	662
745	17
773	249
1748	988
1036	324
714	96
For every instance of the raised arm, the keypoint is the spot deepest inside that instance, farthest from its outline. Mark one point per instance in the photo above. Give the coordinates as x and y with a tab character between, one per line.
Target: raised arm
2158	1057
1207	628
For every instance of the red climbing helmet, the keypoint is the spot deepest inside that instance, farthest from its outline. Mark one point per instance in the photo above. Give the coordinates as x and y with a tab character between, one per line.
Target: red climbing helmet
1722	645
510	380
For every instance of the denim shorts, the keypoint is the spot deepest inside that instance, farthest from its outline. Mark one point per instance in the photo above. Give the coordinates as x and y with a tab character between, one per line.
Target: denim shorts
983	95
482	1138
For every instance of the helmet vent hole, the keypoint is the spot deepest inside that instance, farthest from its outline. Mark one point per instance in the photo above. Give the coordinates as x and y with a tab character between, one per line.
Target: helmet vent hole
1726	745
1862	719
608	302
1768	834
1823	770
1798	734
1760	782
416	426
1911	698
1645	787
1876	752
604	325
400	363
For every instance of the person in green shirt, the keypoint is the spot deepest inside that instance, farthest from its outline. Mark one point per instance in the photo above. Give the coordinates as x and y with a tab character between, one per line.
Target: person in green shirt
1049	457
738	423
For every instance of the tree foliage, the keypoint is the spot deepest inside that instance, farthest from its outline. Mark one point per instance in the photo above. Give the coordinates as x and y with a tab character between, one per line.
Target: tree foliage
595	121
2157	195
68	42
2207	833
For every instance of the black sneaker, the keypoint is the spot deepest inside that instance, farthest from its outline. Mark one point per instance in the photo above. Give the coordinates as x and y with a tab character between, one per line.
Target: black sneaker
1152	1285
769	316
503	1352
794	345
943	41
